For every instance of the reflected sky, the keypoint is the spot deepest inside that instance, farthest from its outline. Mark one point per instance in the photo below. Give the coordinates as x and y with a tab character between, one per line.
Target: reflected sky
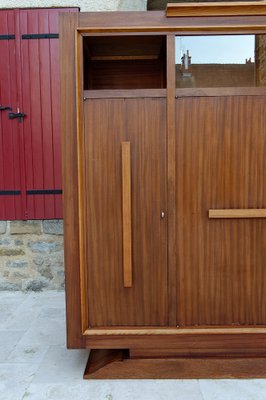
229	49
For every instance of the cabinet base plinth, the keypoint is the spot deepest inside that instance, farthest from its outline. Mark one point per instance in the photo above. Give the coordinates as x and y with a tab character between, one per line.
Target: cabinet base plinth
117	364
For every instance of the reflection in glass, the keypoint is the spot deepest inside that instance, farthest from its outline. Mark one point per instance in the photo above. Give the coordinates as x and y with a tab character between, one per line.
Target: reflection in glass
220	61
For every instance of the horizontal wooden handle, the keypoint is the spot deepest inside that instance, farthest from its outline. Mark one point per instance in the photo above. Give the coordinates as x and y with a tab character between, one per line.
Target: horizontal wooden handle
238	213
126	214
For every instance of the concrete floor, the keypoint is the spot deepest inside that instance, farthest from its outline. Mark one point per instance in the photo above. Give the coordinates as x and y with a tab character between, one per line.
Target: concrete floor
34	363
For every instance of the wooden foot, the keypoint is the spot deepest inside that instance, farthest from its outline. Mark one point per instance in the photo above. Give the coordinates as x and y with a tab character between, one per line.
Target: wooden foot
99	359
116	364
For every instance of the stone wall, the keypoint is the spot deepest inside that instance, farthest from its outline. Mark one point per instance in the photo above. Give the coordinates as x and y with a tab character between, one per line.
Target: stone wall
31	255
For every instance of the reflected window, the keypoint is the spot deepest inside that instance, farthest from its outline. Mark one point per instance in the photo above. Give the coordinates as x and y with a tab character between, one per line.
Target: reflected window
220	61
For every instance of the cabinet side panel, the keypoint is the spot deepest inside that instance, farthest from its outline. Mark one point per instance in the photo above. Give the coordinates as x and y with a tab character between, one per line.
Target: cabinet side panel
68	22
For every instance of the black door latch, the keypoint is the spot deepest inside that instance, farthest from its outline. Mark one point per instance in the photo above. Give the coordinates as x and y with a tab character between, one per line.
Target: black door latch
4	108
18	115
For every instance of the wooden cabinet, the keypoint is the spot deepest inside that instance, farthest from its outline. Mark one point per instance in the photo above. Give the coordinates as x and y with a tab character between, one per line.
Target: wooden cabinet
164	198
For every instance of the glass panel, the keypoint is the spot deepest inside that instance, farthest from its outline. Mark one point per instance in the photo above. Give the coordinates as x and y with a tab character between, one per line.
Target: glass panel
220	61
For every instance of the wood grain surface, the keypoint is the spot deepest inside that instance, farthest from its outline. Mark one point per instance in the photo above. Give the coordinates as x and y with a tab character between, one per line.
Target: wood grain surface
156	21
221	91
238	213
203	151
205	330
190	343
171	178
103	364
126	213
68	23
221	164
216	9
142	122
126	93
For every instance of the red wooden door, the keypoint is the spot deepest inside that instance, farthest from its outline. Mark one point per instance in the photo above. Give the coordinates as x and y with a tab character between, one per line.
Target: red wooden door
12	186
30	165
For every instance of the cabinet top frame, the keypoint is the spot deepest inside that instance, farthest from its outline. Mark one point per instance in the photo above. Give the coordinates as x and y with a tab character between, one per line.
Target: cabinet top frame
192	18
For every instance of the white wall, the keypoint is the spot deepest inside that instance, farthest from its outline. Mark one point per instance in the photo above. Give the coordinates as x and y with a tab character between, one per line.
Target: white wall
85	5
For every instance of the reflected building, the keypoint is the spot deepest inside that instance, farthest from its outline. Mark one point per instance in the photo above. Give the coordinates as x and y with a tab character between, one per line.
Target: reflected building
247	74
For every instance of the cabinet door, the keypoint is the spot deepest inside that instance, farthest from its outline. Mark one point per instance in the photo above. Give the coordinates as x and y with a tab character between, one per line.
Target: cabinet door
221	165
142	124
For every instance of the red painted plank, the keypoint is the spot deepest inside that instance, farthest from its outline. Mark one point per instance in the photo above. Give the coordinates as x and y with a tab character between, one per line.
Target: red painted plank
19	126
25	95
7	134
10	167
3	30
19	201
32	107
55	102
46	107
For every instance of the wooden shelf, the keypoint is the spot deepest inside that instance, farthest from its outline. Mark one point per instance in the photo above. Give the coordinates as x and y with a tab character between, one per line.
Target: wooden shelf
123	93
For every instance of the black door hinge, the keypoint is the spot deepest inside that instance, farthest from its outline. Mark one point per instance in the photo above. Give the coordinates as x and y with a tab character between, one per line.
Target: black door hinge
7	37
40	36
4	108
18	115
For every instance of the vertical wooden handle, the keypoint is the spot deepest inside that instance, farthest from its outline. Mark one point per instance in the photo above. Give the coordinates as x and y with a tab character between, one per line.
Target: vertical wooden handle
126	214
